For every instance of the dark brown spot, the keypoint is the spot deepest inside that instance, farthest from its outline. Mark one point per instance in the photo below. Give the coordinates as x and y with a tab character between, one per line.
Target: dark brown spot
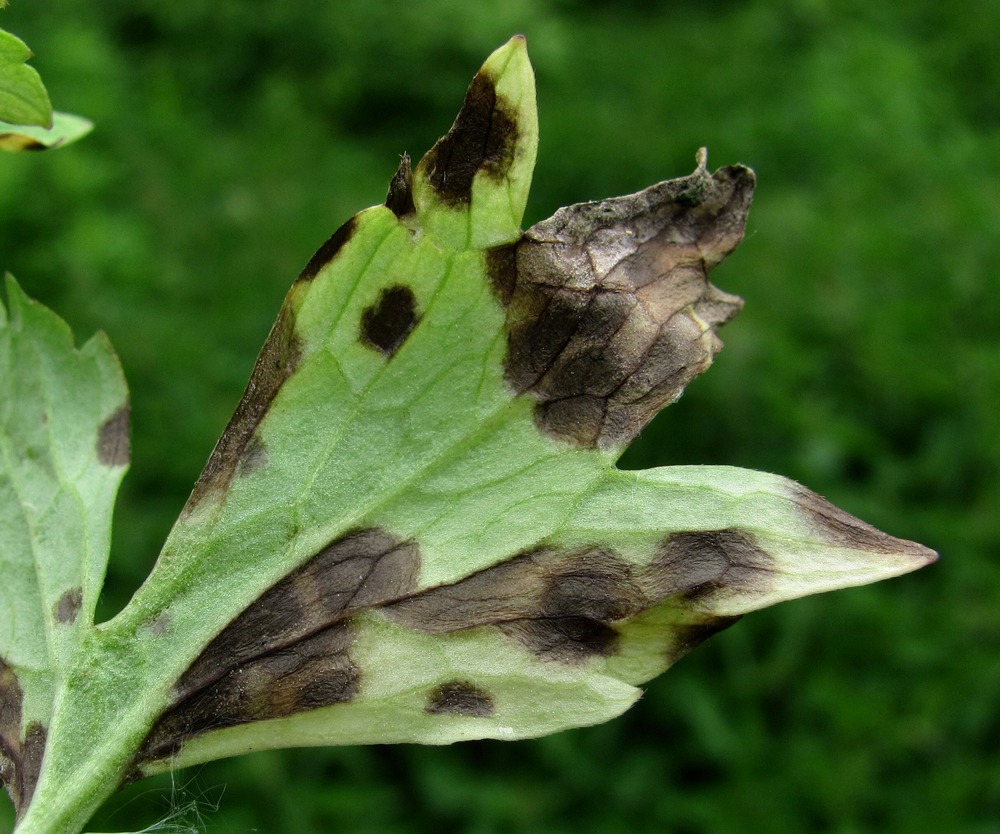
566	639
482	138
686	638
844	530
112	439
32	751
399	200
609	310
328	251
316	672
68	606
460	698
289	650
701	564
359	570
277	361
386	324
20	758
501	271
559	604
254	457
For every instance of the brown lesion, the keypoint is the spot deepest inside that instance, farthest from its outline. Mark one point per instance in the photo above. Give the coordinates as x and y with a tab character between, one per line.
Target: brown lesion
113	447
289	651
277	361
399	199
482	139
610	313
568	605
701	564
386	324
68	606
329	250
20	753
686	638
315	672
460	697
842	529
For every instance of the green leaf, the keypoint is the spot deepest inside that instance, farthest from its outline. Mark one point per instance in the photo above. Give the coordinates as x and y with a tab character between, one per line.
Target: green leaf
63	452
412	528
23	99
66	128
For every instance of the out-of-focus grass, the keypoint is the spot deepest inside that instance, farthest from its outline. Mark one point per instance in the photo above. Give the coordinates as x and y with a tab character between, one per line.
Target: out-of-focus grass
232	139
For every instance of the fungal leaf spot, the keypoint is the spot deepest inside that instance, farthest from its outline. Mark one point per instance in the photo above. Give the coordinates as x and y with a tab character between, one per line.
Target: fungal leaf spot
399	200
386	323
482	138
460	698
68	606
328	251
112	439
569	605
289	651
277	361
609	310
20	754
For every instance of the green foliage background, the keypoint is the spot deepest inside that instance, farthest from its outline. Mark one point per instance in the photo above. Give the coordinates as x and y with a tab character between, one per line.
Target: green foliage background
232	138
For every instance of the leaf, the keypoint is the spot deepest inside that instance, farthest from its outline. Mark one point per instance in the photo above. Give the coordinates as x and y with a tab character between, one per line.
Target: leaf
23	99
412	528
63	452
66	128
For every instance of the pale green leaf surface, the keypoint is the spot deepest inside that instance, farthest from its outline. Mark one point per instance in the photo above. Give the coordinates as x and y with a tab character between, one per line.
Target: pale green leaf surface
56	496
65	128
23	99
413	528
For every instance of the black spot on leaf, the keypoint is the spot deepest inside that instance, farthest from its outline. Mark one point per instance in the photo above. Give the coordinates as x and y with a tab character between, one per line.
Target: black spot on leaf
399	200
386	324
482	139
569	605
328	251
112	439
68	606
460	698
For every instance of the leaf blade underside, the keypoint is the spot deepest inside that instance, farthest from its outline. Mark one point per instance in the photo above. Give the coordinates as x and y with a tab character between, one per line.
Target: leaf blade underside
488	481
63	453
412	528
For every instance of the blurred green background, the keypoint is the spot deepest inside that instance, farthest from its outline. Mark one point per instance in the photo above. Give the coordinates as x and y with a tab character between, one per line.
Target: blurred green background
232	138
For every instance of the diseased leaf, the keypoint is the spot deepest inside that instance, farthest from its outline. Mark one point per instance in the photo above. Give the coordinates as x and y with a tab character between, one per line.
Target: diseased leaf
66	128
63	452
23	99
412	528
